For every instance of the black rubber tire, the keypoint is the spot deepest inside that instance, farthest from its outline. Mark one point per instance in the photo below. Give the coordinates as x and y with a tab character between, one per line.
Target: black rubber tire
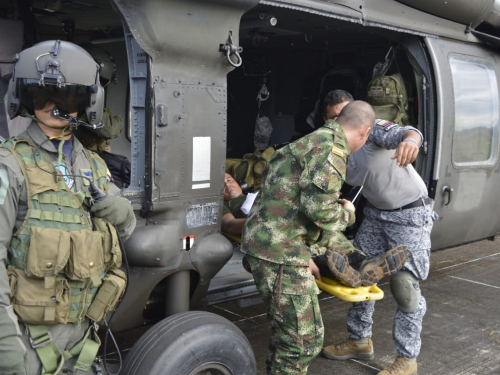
191	343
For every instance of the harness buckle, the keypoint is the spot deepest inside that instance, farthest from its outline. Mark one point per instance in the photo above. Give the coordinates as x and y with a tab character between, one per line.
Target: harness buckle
42	344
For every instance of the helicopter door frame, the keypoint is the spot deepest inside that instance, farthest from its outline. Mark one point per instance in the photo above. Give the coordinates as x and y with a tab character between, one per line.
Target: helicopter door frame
466	166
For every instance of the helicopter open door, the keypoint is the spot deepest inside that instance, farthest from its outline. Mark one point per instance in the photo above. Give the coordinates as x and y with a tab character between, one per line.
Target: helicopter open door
466	167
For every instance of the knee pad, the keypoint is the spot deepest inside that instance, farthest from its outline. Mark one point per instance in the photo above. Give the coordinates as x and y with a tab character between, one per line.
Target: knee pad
406	291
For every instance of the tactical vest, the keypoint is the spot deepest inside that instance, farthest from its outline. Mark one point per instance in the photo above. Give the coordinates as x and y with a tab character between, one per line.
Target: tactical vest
60	256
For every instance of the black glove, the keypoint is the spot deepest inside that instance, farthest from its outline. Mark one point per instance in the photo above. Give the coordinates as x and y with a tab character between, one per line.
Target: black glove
117	210
12	349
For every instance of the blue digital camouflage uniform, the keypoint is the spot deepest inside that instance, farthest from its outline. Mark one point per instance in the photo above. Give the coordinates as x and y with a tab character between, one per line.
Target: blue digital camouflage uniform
298	201
388	187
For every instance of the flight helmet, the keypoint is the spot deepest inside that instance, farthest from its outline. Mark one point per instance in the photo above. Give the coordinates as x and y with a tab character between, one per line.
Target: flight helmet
60	72
107	71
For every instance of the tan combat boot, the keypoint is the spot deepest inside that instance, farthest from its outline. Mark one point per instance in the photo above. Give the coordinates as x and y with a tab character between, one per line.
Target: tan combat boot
360	349
375	269
338	264
401	366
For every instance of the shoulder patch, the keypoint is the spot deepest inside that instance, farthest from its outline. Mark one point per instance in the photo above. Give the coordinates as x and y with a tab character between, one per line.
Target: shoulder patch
87	173
338	151
338	163
384	123
387	125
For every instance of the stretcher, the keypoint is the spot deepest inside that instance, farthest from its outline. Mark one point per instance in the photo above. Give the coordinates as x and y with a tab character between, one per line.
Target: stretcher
335	288
347	293
233	237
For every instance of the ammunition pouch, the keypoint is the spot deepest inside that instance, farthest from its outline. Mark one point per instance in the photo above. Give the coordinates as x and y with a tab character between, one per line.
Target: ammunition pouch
61	272
110	243
34	303
87	264
108	296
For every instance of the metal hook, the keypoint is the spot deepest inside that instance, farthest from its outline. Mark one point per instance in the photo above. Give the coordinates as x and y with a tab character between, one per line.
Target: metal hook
231	49
263	94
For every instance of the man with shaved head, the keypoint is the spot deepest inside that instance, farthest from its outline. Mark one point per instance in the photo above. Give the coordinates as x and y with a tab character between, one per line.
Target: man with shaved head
299	208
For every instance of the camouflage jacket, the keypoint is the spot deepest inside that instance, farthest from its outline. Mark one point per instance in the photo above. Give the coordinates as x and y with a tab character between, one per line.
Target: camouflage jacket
298	199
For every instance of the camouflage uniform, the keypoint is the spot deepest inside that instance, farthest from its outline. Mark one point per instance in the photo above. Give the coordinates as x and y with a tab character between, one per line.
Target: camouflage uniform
387	187
298	201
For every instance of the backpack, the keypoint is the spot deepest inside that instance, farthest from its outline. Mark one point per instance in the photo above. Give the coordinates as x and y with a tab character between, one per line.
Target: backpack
249	169
387	95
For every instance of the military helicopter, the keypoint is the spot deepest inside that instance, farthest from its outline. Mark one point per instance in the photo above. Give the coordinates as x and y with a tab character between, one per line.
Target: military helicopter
193	76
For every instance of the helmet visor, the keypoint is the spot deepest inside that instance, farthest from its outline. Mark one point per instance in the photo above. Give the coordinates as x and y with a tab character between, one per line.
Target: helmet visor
68	98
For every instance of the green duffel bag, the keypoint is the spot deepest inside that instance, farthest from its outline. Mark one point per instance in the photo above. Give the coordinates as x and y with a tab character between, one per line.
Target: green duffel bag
387	95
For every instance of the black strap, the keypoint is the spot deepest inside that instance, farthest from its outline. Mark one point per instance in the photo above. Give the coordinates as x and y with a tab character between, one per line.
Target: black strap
418	203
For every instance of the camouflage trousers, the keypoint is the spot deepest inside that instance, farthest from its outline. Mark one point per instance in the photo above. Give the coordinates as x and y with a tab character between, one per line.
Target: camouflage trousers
293	309
380	231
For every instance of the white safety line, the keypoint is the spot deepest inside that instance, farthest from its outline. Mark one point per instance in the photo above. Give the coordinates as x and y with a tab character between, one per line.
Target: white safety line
229	311
240	316
326	298
469	261
250	318
364	364
474	282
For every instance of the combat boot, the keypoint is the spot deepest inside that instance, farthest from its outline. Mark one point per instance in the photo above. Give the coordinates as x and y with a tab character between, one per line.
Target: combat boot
360	349
375	269
338	264
401	366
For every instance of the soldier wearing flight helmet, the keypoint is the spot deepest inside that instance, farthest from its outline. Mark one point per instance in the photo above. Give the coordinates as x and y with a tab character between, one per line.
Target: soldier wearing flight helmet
59	252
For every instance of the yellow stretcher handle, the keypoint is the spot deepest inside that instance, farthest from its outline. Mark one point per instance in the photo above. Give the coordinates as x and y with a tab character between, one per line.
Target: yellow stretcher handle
232	237
347	293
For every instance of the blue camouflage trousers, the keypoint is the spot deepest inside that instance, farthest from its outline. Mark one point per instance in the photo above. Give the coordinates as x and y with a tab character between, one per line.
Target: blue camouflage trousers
297	331
379	232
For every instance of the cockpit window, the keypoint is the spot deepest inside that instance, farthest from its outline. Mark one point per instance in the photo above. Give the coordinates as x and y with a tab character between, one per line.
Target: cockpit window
475	87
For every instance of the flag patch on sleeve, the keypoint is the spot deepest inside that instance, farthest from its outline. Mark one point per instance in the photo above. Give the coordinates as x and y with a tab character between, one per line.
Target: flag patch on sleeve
337	151
387	125
384	123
